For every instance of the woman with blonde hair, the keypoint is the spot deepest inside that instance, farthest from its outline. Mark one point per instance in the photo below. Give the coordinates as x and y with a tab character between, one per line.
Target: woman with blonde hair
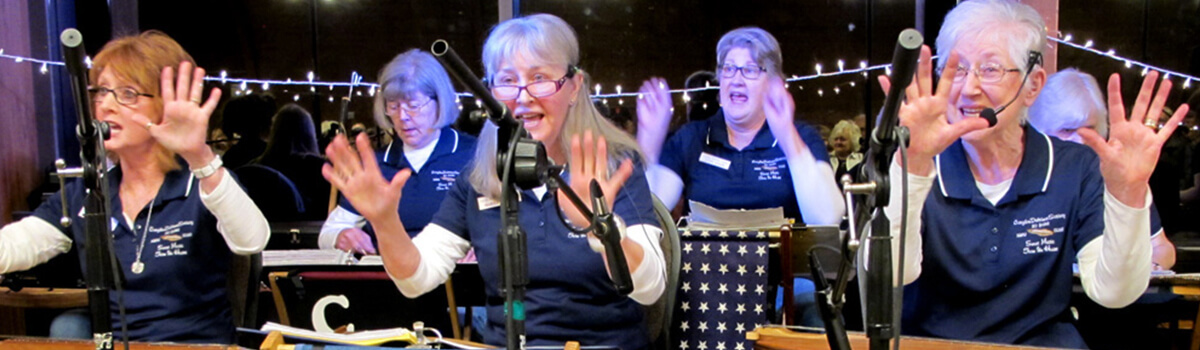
532	66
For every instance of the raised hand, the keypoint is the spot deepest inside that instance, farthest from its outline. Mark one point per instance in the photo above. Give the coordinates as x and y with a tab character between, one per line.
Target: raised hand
925	112
184	125
1129	155
780	111
589	160
653	116
357	176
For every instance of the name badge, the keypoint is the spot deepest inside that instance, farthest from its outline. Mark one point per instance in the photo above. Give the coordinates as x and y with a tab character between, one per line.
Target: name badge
486	203
710	159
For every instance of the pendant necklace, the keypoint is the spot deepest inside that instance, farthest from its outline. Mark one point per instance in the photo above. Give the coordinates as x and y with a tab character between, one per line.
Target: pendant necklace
138	266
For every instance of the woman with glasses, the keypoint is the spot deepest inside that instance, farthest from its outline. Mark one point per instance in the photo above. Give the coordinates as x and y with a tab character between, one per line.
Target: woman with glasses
531	64
997	215
753	146
418	104
176	214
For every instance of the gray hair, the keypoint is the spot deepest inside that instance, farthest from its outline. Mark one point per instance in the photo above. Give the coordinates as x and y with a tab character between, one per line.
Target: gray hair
1070	98
548	40
846	128
410	72
1018	25
762	45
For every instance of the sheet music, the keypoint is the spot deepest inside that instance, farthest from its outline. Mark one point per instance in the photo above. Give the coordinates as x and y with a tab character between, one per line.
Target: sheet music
307	257
705	217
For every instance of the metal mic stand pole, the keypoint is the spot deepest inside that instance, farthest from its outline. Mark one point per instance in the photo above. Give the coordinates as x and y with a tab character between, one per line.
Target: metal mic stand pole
98	240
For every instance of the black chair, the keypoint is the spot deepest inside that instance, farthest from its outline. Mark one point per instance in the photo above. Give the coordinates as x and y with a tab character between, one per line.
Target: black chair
272	192
660	315
243	287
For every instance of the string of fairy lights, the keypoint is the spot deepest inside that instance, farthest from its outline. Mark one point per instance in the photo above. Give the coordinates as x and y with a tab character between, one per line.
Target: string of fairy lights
356	86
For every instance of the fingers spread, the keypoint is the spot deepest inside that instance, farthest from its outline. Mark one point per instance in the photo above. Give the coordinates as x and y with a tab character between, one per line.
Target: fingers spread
1116	106
167	84
183	82
197	90
948	73
885	84
1138	113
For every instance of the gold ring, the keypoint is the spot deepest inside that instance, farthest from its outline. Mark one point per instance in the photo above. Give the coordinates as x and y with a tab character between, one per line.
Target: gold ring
1152	124
149	124
196	100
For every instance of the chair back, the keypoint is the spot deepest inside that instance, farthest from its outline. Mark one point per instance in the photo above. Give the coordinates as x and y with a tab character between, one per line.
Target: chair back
242	286
660	314
272	192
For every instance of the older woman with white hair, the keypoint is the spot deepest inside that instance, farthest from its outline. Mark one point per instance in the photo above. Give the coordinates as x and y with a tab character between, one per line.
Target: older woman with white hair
999	214
532	65
417	103
845	139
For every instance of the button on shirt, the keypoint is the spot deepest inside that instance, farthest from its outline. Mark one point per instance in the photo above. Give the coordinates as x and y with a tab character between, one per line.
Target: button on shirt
1002	273
425	189
570	295
181	295
719	175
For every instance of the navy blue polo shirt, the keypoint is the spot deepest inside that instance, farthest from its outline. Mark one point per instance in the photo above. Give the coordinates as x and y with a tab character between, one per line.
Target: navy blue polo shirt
570	295
1002	273
425	189
181	295
719	175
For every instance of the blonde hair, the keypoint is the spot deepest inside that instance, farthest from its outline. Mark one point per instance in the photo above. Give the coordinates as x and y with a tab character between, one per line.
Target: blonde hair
850	131
550	40
140	59
415	71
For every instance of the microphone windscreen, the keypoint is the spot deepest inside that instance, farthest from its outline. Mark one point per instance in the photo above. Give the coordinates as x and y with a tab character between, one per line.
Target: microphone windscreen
989	115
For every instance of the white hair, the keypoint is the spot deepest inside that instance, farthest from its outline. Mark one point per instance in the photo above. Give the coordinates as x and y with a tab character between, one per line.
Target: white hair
1017	25
1069	99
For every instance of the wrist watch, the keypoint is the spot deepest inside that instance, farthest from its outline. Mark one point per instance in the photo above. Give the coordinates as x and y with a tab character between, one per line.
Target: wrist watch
210	169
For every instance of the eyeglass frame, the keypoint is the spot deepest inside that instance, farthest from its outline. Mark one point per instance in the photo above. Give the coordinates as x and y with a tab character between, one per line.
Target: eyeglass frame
401	107
558	84
964	71
1034	59
741	69
98	94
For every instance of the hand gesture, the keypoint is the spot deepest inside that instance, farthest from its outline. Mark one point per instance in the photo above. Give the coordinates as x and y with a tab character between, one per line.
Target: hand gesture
925	111
653	116
184	125
589	160
357	176
780	111
355	240
1128	157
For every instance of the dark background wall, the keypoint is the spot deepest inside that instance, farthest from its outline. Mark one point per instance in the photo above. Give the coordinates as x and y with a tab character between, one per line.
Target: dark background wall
623	43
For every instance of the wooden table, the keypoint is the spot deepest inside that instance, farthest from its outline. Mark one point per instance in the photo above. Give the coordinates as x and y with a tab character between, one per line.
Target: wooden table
62	344
13	304
778	338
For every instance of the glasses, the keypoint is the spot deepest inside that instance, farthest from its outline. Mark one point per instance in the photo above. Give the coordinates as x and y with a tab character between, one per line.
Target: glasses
126	96
410	108
537	89
749	72
988	73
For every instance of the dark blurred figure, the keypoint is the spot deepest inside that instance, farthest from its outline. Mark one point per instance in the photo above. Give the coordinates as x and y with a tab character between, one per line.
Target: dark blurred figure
466	123
247	118
700	104
292	150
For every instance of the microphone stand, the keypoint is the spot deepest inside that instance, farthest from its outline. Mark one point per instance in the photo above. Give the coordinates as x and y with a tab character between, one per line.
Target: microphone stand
522	163
102	272
873	185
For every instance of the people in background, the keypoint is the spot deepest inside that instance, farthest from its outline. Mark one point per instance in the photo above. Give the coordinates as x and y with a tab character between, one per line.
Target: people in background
845	156
247	119
292	150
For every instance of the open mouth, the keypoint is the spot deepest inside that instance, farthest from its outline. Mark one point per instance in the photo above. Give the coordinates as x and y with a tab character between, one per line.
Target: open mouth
970	111
531	120
737	97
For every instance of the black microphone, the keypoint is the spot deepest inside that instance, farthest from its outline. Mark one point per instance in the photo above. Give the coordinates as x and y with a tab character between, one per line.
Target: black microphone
1035	58
605	228
904	63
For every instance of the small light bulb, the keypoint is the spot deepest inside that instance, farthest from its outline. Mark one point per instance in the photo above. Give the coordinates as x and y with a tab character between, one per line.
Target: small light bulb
841	65
266	86
296	97
1067	37
1088	44
818	69
310	76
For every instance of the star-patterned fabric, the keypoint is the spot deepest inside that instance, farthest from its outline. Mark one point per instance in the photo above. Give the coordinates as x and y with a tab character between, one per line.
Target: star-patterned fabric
722	289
